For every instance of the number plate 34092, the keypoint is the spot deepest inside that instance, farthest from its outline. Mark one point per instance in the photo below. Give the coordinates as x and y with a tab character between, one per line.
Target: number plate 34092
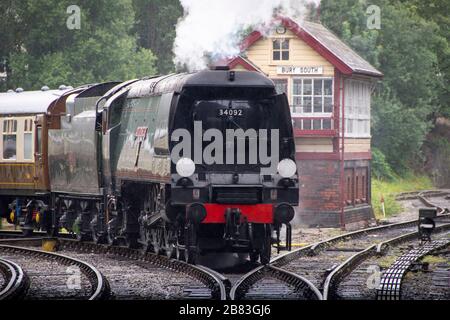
230	112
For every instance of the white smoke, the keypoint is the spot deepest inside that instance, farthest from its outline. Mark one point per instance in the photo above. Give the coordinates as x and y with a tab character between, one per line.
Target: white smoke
213	29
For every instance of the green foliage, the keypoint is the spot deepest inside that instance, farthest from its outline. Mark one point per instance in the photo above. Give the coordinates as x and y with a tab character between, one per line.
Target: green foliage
47	52
412	51
388	190
155	25
398	132
437	11
380	167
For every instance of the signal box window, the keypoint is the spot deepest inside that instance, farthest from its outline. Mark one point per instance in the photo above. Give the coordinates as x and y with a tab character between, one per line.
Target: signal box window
280	49
9	139
313	96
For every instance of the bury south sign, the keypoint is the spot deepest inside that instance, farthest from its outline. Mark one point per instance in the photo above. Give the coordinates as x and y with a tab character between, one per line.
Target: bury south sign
297	70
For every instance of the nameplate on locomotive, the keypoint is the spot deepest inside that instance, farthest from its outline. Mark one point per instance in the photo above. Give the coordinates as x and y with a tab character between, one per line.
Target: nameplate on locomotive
141	132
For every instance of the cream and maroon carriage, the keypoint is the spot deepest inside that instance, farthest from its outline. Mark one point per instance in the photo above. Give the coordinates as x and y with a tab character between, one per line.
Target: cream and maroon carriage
25	118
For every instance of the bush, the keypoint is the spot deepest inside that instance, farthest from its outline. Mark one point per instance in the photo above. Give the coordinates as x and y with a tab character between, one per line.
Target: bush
380	167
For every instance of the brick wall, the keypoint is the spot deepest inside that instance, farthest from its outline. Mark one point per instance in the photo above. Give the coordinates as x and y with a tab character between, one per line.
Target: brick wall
320	195
319	185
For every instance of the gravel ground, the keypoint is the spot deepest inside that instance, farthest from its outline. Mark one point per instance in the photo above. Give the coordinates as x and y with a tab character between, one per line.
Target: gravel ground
271	289
137	280
2	280
50	279
410	211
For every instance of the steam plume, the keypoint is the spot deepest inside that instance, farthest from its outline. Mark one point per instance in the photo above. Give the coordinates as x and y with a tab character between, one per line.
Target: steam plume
213	29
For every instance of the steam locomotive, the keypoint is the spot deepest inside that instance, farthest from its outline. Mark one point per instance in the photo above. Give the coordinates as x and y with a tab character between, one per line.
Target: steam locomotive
182	164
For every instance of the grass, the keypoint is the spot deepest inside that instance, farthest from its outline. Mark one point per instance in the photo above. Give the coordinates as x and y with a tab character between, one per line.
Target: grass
388	190
386	261
434	259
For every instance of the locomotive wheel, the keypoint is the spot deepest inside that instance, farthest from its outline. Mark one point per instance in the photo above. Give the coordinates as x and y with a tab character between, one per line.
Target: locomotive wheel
98	238
113	236
81	236
179	253
254	256
155	240
132	241
190	252
169	245
146	241
147	247
190	256
112	239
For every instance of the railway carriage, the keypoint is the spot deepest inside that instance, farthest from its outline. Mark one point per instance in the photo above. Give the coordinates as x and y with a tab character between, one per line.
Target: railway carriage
117	173
25	118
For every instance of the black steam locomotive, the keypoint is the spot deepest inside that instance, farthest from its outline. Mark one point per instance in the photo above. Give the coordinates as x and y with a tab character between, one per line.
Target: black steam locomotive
183	164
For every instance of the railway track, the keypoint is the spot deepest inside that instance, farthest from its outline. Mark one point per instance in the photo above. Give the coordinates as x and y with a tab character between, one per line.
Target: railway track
50	275
431	282
359	278
360	262
14	282
149	276
311	272
17	234
134	275
272	283
316	265
12	234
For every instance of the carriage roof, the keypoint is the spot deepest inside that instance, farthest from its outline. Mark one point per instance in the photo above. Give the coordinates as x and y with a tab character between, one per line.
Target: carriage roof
28	102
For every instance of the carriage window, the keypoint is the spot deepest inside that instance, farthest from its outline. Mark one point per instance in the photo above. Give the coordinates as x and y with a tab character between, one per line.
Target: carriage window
9	139
27	140
39	139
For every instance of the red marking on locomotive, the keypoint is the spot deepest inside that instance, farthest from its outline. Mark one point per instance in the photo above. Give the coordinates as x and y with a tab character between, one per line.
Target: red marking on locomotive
258	213
141	132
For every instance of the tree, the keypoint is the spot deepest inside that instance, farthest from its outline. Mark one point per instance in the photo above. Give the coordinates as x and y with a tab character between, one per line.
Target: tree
437	11
398	132
156	25
48	53
405	50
